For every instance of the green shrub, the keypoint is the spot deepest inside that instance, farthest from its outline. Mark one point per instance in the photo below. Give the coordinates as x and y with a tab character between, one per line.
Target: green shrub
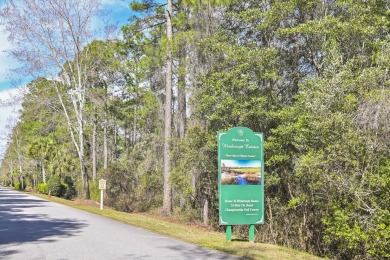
42	188
70	191
94	190
56	188
121	186
17	185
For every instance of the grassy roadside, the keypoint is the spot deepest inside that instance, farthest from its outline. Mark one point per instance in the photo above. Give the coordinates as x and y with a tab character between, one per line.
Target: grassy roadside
201	237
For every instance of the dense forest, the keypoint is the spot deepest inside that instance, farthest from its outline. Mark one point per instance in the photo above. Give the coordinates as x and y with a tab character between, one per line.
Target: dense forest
142	111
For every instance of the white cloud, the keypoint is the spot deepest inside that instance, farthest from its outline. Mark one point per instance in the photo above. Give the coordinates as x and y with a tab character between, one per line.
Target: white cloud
9	107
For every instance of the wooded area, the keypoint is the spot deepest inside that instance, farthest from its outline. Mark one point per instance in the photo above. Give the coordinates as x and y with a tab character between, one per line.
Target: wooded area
143	110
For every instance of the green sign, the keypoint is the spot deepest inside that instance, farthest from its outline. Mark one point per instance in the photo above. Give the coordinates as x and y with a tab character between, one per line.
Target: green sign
241	177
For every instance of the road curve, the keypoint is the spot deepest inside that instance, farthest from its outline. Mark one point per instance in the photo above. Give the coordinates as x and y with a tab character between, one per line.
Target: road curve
34	228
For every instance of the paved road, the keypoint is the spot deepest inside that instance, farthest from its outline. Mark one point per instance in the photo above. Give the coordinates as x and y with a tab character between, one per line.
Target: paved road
34	228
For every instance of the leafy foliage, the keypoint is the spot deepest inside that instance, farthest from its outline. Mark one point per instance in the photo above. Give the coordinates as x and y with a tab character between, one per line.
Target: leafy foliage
17	185
312	75
55	186
43	188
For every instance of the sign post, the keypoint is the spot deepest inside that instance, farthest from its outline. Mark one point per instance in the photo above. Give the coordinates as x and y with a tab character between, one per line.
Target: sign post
241	179
102	187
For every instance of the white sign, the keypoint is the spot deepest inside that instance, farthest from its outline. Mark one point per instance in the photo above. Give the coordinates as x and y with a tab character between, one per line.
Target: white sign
102	184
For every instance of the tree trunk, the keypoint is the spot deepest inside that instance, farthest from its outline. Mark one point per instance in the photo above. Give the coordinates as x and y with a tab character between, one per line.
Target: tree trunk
105	142
43	172
114	154
115	128
94	145
21	177
206	212
135	126
84	175
181	96
167	197
20	166
11	172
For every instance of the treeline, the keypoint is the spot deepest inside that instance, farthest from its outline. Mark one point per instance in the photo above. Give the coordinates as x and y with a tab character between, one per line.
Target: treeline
312	75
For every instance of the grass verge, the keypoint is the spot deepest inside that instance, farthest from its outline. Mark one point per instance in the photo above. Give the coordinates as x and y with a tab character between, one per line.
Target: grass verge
201	237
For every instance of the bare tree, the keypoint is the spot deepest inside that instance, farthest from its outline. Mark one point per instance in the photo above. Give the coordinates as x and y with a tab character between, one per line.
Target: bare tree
167	199
49	37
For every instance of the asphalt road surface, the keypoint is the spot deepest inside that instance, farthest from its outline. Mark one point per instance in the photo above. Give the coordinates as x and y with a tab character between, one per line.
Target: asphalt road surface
34	228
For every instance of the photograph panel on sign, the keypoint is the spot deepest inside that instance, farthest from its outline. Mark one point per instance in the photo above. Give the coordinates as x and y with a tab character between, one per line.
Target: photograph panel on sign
240	172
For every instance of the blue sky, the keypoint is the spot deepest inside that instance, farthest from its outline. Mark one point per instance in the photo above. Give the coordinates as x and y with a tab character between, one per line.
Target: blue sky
119	13
242	163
